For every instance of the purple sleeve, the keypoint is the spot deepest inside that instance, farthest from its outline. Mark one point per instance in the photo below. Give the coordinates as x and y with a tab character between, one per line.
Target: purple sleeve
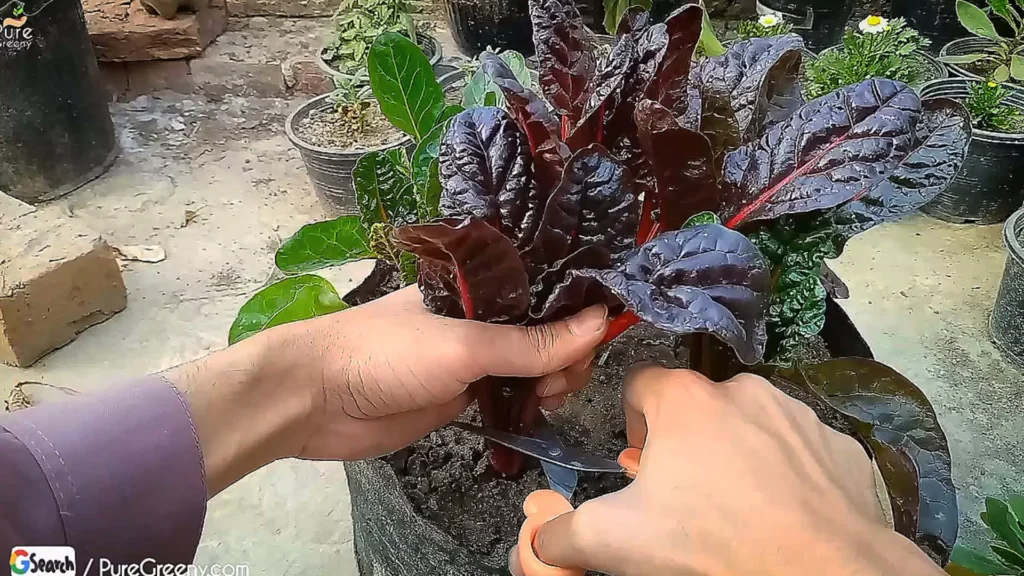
116	475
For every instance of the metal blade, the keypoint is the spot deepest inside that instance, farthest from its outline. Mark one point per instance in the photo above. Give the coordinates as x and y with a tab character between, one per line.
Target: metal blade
565	456
561	479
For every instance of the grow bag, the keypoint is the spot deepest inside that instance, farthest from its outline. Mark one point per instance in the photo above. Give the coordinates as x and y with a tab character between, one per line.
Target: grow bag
934	19
479	24
990	185
55	129
820	22
1007	324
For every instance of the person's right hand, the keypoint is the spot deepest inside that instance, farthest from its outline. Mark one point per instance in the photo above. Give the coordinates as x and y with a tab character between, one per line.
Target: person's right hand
736	479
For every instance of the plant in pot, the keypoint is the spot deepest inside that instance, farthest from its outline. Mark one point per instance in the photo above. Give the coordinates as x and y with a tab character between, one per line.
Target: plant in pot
878	48
766	26
1006	522
988	54
990	186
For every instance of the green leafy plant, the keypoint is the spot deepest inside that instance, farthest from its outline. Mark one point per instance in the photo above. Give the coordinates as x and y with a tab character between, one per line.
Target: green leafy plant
481	90
352	98
1006	520
614	9
988	111
356	24
1002	59
392	189
766	26
882	50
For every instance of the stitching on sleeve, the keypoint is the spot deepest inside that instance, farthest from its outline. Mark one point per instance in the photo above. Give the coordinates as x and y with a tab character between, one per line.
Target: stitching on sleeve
50	469
192	426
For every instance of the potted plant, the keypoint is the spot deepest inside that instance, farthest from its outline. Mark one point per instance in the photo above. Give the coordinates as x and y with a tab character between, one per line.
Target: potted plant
701	198
1006	315
477	25
1006	522
987	54
878	48
356	23
765	26
990	186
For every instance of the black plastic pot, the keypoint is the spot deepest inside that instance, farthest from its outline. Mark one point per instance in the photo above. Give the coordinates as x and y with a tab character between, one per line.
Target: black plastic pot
820	22
934	19
55	128
430	46
936	70
1007	323
477	24
990	186
963	47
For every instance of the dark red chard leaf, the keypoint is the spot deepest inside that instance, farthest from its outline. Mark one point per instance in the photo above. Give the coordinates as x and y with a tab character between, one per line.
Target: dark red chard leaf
896	420
565	50
833	284
709	111
643	180
553	297
703	279
825	154
759	76
683	166
634	21
485	170
607	96
477	260
440	289
944	134
683	28
650	50
594	205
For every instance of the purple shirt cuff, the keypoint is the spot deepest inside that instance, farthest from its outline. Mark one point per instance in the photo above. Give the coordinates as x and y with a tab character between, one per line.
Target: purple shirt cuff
116	475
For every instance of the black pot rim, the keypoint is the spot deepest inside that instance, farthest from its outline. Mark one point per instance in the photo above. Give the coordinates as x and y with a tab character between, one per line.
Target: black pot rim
422	38
951	49
319	103
944	86
1011	238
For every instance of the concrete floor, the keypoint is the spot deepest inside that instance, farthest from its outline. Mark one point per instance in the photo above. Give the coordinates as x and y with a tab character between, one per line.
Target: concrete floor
922	291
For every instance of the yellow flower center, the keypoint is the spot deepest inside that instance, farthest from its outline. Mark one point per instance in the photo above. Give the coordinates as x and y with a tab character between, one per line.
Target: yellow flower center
769	21
874	20
992	84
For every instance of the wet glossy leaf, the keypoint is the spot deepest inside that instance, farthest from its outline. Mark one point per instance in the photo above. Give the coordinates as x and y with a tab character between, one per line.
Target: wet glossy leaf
324	244
671	80
403	83
486	170
884	407
289	300
554	298
944	133
606	96
976	562
682	164
615	12
650	48
384	193
634	20
473	263
824	154
565	51
704	279
710	112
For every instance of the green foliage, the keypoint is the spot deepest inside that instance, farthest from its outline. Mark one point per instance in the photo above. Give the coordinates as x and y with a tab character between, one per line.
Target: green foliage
1003	57
384	192
289	300
351	98
614	9
480	90
702	218
709	45
1006	520
864	55
796	247
356	24
324	244
755	29
19	9
988	112
404	84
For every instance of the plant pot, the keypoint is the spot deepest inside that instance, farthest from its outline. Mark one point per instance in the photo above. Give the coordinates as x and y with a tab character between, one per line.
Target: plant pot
430	46
820	22
55	128
932	69
934	19
479	24
990	185
962	47
1007	322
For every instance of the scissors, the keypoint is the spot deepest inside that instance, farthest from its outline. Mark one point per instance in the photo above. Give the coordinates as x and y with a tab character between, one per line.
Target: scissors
543	506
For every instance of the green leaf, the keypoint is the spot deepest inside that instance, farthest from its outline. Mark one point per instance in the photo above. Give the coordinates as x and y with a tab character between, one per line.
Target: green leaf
702	218
998	517
481	89
1017	67
977	562
324	244
708	41
975	20
1002	8
403	83
965	59
1009	556
384	192
408	266
491	99
289	300
614	9
1016	504
428	186
1002	74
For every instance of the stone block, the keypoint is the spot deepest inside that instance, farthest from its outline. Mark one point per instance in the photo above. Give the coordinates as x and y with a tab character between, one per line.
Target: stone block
57	278
302	75
122	31
291	8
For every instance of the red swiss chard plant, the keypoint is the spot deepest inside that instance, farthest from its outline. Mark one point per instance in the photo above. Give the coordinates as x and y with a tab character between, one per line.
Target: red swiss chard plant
702	197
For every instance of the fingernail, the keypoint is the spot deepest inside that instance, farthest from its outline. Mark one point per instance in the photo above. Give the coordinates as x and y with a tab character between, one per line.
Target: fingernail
589	321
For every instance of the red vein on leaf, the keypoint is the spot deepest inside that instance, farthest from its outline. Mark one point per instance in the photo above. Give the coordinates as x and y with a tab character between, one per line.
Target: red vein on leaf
565	127
467	299
620	324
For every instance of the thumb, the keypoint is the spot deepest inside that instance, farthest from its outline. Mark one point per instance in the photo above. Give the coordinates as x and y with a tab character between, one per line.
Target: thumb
581	540
538	350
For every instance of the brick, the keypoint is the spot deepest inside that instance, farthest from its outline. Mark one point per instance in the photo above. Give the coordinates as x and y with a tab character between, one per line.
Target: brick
122	31
57	278
302	75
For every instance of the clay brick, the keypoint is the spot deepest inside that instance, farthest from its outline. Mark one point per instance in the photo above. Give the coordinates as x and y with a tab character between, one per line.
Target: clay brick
57	278
122	31
302	75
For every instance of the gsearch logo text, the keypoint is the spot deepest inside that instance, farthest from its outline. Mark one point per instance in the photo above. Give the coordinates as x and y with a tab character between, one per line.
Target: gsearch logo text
58	560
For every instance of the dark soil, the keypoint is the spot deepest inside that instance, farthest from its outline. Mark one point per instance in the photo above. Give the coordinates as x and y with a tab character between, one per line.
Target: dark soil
448	478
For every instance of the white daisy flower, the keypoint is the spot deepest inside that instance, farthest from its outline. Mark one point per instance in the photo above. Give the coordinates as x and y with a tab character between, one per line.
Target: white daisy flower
874	24
769	20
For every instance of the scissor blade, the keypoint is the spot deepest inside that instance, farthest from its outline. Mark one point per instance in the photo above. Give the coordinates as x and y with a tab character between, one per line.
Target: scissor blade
561	479
565	456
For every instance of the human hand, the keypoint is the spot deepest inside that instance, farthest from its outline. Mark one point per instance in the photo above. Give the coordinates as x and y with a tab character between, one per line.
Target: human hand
366	381
735	479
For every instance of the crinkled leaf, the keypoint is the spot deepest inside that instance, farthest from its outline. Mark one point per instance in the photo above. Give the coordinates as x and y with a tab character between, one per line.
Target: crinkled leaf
634	20
702	218
485	170
403	83
322	244
424	171
607	95
565	51
710	112
824	154
553	297
473	263
292	299
706	279
682	163
669	85
594	205
651	44
886	408
976	562
384	193
945	133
